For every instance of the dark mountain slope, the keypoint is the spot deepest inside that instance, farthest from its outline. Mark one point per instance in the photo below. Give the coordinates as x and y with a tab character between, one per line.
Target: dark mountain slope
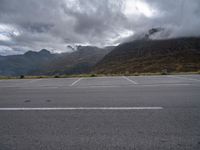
45	63
23	64
80	61
181	54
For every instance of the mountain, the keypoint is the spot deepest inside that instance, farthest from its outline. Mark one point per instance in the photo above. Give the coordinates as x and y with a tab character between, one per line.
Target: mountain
45	63
151	34
23	64
79	61
41	53
181	54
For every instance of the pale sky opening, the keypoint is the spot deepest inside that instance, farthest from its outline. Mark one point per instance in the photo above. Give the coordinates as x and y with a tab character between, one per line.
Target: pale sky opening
136	7
7	32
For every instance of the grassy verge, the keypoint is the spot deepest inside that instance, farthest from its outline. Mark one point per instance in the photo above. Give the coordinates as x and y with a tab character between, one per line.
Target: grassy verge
46	77
97	75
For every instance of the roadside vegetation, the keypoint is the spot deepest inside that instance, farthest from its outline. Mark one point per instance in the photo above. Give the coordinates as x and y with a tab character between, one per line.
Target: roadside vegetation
164	72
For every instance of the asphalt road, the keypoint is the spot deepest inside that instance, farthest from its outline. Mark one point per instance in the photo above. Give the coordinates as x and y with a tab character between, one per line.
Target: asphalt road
92	114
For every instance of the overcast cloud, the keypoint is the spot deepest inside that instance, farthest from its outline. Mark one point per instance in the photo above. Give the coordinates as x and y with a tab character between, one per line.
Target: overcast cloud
55	24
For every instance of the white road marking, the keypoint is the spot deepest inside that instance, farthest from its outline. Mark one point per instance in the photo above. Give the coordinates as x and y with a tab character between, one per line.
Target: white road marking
75	82
34	80
137	86
100	86
79	108
179	77
130	80
164	84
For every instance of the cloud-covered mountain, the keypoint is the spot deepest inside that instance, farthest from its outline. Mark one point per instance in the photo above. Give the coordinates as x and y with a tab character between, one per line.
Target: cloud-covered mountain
80	61
142	56
46	63
59	25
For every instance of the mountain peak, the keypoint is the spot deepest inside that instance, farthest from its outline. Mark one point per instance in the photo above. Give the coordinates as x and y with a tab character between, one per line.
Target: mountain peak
30	53
44	52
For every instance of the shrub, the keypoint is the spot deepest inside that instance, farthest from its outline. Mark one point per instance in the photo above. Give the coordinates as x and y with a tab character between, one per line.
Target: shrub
136	74
164	72
93	75
56	76
21	76
127	73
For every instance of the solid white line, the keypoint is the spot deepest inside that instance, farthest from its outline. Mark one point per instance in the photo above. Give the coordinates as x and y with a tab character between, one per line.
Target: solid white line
161	85
178	77
34	80
100	86
130	80
80	108
75	82
28	82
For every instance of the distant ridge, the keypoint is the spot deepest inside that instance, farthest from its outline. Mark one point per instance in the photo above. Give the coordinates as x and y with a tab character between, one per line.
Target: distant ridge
182	54
45	63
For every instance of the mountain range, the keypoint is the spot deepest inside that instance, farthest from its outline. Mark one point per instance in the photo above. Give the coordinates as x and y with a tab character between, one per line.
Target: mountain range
46	63
142	55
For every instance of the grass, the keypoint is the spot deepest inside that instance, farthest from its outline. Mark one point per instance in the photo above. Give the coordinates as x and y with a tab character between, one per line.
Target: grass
96	75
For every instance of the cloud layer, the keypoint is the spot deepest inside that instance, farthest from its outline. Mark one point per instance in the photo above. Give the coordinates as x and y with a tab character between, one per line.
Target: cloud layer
55	24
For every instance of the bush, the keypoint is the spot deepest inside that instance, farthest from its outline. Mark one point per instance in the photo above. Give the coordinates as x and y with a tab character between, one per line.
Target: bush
93	75
21	76
127	73
56	76
164	72
136	74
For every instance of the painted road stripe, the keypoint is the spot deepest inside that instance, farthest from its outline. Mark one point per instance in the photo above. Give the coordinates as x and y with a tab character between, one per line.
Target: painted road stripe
130	80
75	82
164	84
186	78
138	85
80	108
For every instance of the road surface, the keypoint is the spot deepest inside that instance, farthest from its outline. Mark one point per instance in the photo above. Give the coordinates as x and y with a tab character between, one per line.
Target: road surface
101	113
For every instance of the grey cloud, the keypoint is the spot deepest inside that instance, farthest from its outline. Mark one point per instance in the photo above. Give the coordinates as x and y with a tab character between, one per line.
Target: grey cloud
180	16
97	19
38	27
55	24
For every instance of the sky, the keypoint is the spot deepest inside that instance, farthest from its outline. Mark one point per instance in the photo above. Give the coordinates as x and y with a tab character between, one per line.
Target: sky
56	24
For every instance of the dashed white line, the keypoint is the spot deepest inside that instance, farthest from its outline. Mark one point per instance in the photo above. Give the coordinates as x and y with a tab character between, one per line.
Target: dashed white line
80	108
132	81
75	82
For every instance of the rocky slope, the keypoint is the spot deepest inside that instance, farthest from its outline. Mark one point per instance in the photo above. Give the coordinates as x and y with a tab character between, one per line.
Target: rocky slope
182	54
